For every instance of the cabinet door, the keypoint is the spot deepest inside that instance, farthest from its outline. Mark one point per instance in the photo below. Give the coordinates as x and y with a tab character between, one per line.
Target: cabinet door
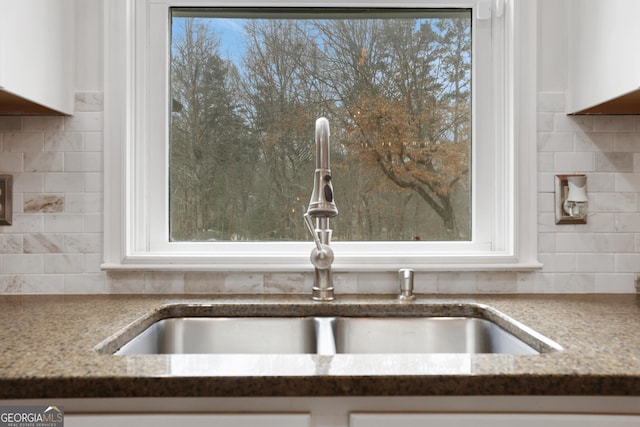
491	420
189	420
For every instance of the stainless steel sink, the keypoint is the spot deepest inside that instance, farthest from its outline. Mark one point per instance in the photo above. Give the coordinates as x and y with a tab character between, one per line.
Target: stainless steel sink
330	335
216	335
425	335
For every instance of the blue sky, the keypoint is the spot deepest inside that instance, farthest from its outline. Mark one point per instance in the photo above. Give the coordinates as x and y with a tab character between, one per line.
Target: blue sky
230	32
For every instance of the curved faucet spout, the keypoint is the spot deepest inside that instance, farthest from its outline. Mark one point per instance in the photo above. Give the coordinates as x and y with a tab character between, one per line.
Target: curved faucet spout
322	143
322	207
322	204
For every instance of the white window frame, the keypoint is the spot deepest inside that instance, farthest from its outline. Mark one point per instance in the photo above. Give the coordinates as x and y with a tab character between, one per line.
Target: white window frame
504	232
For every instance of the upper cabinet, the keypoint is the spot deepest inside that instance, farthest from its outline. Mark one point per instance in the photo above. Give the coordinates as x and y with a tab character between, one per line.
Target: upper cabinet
37	57
604	57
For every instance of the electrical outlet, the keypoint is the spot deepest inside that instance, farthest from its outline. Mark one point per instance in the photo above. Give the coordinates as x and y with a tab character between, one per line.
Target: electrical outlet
6	199
561	194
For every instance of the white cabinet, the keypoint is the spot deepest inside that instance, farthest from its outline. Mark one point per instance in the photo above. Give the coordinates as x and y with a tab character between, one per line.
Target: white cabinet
604	59
37	59
491	420
194	420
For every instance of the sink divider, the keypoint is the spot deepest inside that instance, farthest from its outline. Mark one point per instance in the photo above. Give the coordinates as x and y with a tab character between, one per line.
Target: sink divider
325	335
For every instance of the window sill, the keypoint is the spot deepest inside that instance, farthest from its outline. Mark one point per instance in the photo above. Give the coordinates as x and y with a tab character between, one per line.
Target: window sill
443	263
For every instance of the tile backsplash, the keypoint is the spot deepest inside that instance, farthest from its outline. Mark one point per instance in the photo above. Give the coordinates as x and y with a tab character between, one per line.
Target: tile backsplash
55	243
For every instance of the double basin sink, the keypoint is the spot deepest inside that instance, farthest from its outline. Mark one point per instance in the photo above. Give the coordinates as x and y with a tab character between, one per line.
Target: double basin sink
466	328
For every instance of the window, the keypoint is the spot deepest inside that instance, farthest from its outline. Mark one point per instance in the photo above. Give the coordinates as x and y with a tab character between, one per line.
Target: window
436	85
247	86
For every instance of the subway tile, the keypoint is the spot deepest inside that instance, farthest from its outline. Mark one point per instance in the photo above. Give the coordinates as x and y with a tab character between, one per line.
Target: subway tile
626	142
24	223
44	123
89	101
559	141
64	223
244	283
63	263
613	162
28	183
18	202
613	202
545	122
546	243
22	263
558	263
11	162
11	243
83	162
601	182
10	123
83	242
83	202
546	182
203	282
36	243
47	203
93	141
64	182
378	283
85	284
575	242
613	124
573	162
93	263
546	202
602	142
63	141
615	283
84	122
93	223
125	282
627	263
497	282
547	223
595	263
627	222
43	162
43	284
285	283
424	283
457	282
163	282
22	142
10	283
546	162
94	182
627	182
614	242
535	282
574	283
564	123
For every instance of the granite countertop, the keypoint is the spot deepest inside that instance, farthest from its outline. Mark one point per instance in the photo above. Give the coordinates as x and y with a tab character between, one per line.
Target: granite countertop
49	350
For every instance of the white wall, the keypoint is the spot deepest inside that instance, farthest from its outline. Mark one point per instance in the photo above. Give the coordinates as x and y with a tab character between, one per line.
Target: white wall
55	244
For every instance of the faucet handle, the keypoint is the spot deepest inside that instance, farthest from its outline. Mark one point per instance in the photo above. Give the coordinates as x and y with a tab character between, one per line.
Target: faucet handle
309	223
406	284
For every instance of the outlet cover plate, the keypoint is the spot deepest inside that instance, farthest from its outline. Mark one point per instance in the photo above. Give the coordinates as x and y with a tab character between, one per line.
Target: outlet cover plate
561	192
6	199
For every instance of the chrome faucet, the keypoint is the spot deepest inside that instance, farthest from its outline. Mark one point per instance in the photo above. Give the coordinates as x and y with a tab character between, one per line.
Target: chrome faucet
322	207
